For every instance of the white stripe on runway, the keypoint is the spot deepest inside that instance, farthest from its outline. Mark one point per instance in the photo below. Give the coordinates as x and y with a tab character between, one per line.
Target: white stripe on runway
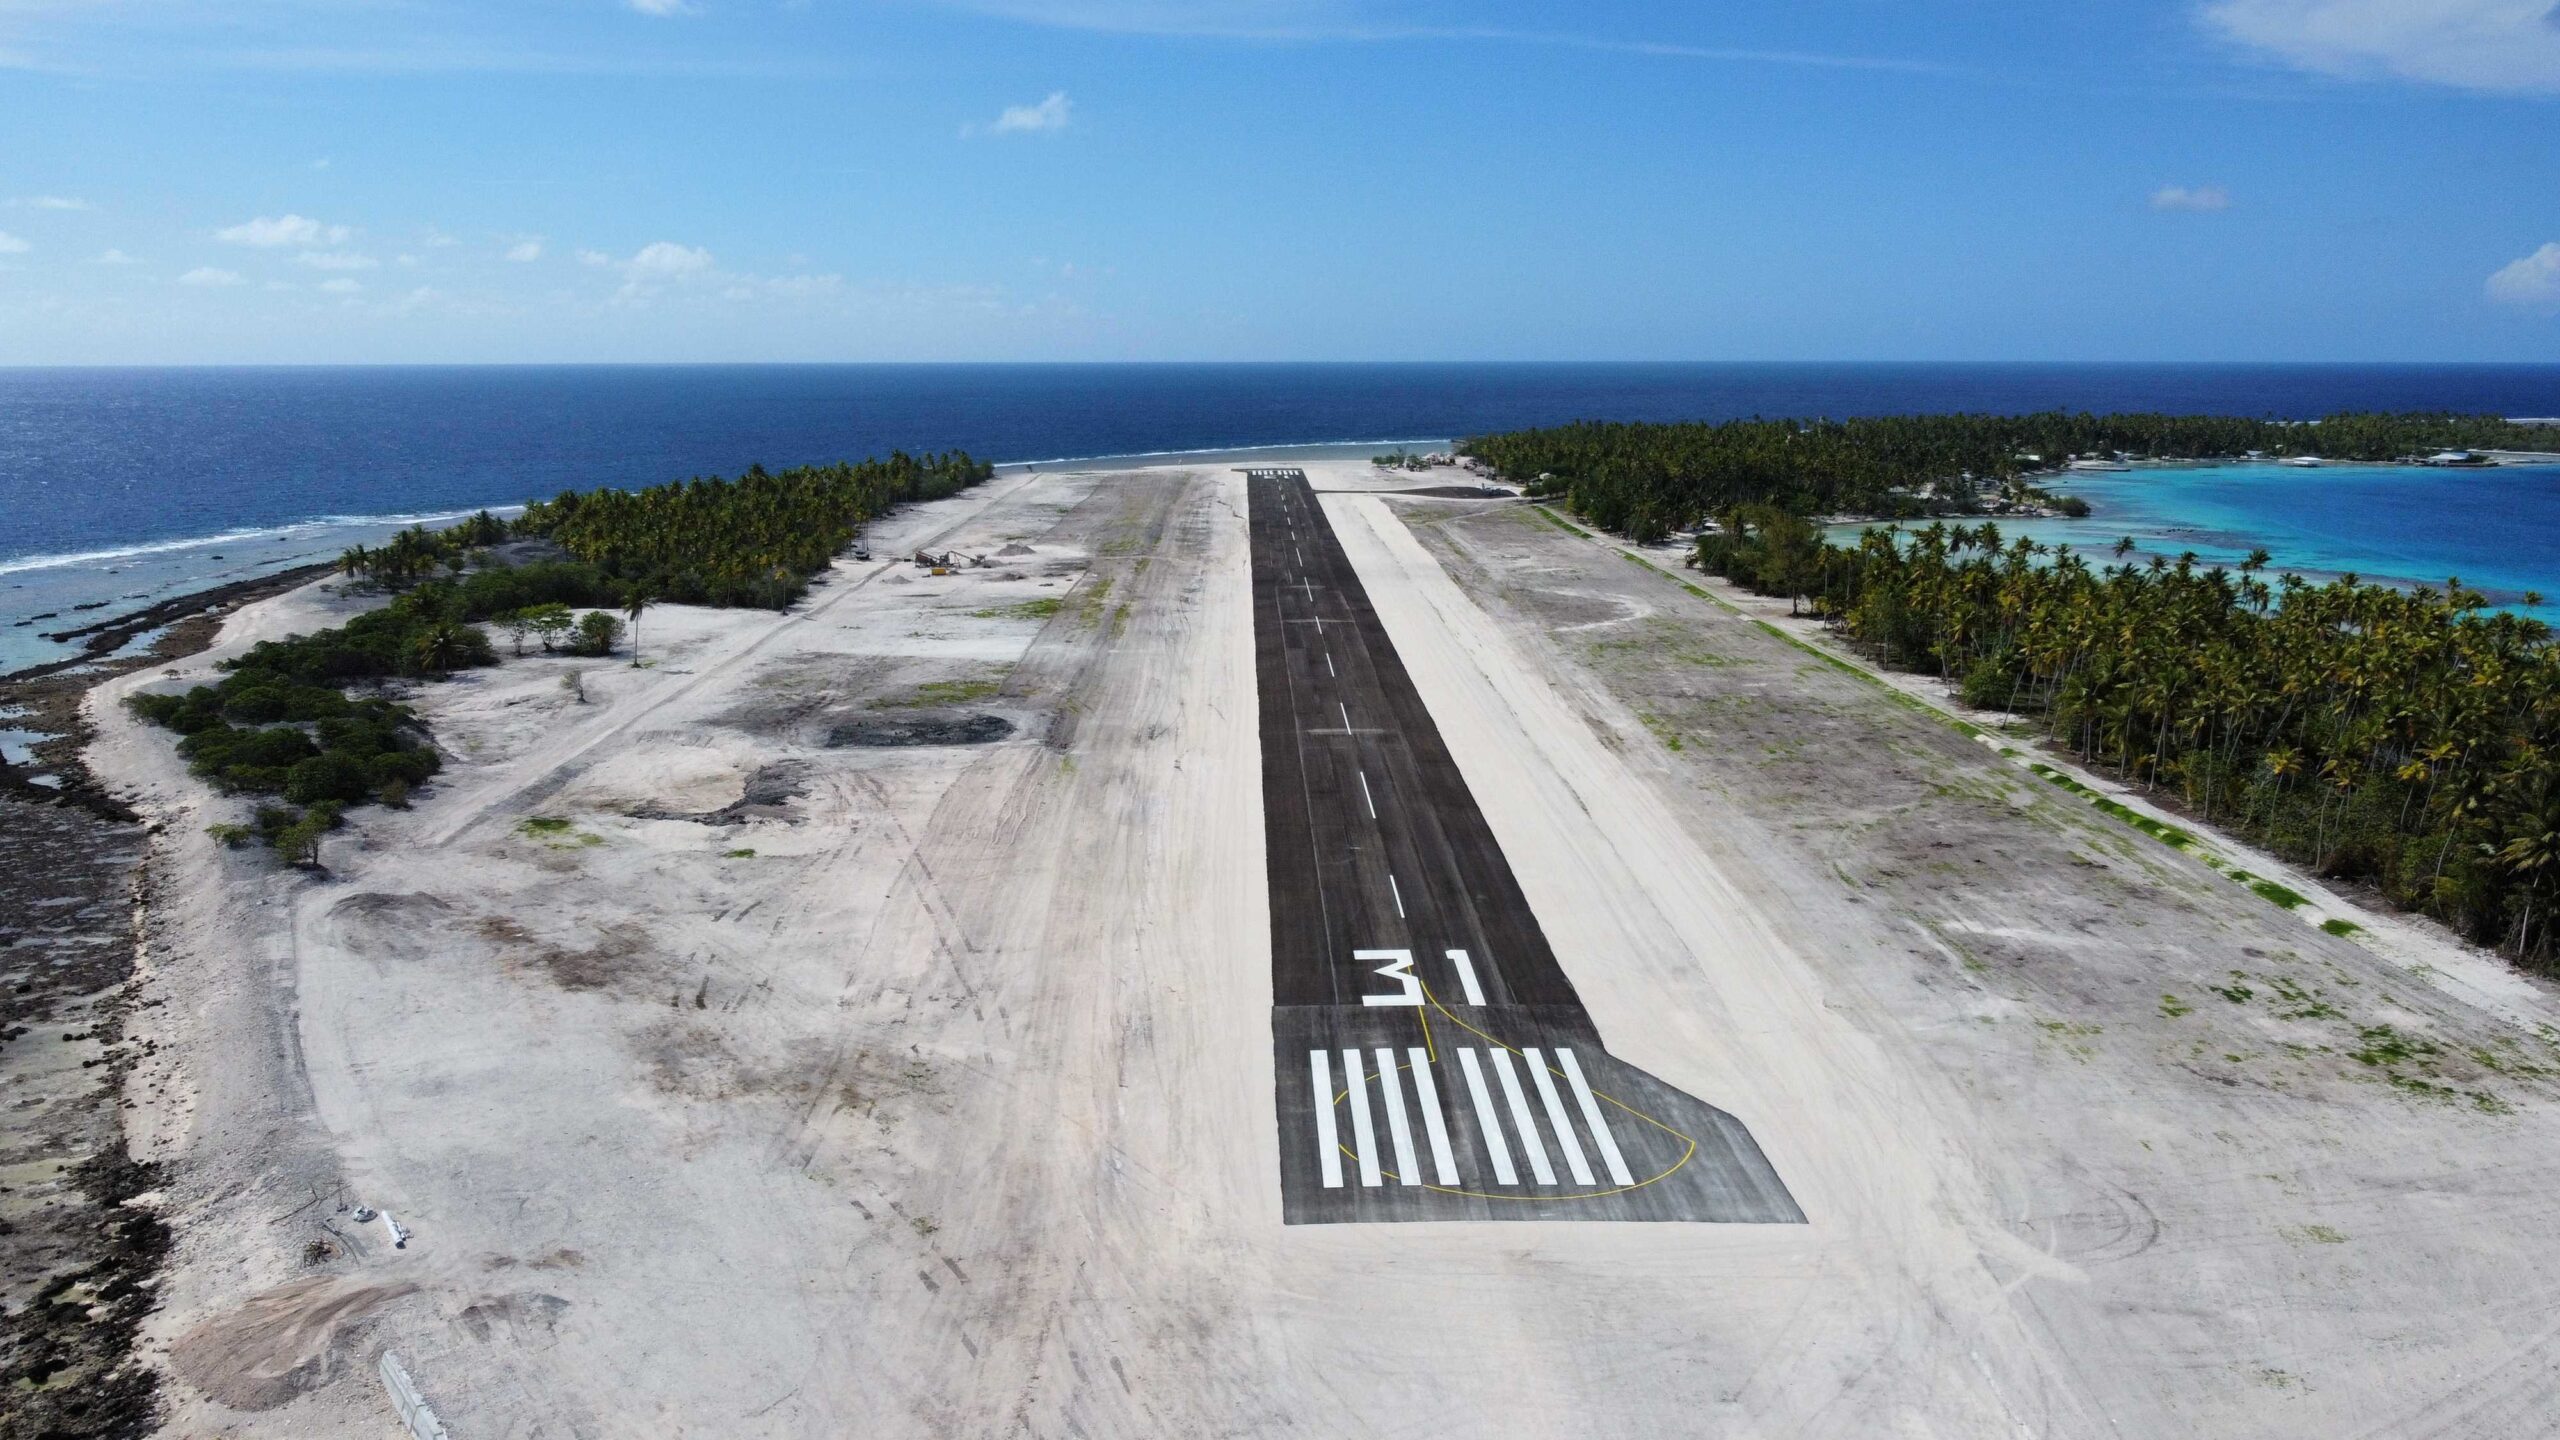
1391	1092
1555	1116
1366	798
1426	1094
1328	1142
1363	1138
1346	714
1330	672
1535	1148
1398	891
1487	1124
1591	1117
1467	977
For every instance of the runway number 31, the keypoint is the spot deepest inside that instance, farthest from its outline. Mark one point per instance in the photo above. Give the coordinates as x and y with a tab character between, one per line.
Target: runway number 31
1399	968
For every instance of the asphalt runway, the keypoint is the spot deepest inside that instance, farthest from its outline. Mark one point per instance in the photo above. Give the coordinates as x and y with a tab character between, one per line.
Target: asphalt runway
1433	1060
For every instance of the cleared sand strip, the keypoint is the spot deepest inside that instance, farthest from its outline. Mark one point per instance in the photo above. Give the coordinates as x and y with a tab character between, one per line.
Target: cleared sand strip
1687	980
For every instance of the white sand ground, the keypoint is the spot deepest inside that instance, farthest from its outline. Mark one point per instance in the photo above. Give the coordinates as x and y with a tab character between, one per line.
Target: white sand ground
948	1111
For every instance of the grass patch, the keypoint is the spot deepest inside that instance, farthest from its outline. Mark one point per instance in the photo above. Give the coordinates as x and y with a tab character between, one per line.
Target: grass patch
1663	730
2342	927
2171	1007
2270	890
2385	1045
555	831
1559	522
738	854
2300	1004
1040	609
942	692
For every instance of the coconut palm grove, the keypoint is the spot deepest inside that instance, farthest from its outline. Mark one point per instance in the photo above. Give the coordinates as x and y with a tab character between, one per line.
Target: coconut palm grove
2398	738
282	722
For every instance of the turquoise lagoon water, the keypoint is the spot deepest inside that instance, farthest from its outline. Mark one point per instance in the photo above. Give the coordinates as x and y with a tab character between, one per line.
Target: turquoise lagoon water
2498	529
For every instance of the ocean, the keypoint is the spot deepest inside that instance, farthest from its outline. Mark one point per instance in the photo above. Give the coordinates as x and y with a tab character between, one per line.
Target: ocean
125	485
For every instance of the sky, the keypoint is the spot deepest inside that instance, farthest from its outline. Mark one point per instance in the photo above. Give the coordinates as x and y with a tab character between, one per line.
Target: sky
362	181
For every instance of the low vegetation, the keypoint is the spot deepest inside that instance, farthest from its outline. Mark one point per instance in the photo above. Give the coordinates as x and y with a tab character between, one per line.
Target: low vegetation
282	722
2408	739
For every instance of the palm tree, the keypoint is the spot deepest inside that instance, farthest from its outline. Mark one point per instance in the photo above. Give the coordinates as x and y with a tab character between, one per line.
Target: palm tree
635	600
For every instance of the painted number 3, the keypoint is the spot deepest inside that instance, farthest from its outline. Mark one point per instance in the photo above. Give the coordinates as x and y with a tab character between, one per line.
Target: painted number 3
1399	968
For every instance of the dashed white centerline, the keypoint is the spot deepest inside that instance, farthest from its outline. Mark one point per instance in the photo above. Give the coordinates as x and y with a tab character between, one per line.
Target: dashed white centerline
1366	798
1329	671
1345	708
1398	893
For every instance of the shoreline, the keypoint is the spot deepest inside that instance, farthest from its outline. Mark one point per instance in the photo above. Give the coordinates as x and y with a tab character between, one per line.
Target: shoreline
47	698
77	874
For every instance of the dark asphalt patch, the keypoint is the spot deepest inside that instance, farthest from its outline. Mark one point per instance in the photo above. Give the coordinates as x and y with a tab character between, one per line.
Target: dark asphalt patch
972	729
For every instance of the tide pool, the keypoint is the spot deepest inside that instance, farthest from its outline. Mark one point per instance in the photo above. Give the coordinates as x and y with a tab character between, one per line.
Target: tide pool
2497	528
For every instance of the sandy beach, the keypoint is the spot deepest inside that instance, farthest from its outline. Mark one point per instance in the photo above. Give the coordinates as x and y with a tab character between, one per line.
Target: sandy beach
730	1072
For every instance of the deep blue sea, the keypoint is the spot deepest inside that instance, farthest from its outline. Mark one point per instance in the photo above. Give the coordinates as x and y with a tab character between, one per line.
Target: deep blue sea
125	485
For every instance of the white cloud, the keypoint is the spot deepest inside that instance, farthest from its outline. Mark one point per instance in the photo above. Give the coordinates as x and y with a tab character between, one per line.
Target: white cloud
342	286
665	260
209	277
2474	44
51	202
1052	113
660	7
783	287
657	264
283	230
12	245
113	257
526	251
2181	197
337	260
2532	282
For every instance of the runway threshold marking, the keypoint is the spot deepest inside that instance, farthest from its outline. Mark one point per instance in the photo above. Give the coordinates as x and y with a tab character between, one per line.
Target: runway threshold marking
1443	1163
1488	1122
1320	1065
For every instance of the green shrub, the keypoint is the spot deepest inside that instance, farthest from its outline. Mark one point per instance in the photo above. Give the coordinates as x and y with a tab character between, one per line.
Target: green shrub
598	632
329	776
